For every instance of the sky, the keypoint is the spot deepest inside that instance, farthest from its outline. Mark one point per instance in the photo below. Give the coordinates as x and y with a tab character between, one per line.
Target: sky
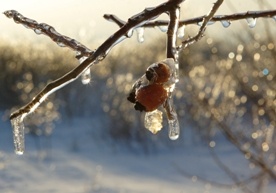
83	18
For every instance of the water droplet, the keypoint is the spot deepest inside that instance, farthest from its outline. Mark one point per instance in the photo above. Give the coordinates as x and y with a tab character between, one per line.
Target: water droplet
225	23
38	31
181	31
251	22
153	121
163	28
140	34
18	134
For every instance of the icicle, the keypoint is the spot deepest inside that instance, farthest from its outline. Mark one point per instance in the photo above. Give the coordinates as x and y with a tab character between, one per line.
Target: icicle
225	23
163	28
140	34
181	31
174	129
18	134
153	121
251	22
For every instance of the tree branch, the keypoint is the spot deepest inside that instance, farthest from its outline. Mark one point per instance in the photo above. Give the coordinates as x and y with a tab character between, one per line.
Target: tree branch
124	32
43	28
197	20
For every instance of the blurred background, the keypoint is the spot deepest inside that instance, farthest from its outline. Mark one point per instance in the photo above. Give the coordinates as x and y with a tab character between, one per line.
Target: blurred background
89	138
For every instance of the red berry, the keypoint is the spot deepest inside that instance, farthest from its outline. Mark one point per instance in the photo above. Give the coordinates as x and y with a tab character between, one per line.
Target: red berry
151	96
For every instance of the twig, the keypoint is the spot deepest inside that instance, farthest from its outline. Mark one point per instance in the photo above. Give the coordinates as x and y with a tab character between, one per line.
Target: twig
202	29
124	32
197	20
43	28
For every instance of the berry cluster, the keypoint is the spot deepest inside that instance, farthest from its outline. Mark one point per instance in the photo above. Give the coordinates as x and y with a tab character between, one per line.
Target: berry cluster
151	90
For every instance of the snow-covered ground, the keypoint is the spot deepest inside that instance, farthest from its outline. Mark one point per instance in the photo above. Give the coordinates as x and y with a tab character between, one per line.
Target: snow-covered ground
76	160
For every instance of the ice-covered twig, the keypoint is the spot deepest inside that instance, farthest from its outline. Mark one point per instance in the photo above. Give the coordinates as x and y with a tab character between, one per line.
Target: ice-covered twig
43	28
100	53
197	20
202	29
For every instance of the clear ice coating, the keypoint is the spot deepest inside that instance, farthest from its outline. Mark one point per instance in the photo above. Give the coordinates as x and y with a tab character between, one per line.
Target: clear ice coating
153	121
181	31
140	34
18	134
251	22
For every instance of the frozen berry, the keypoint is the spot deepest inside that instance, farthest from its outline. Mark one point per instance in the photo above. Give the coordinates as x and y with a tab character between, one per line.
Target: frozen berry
151	96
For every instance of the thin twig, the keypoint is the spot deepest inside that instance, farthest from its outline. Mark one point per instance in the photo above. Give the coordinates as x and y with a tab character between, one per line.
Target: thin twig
202	29
197	20
43	28
123	33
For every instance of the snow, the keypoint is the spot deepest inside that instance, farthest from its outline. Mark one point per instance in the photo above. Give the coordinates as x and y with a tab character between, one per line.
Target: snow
76	159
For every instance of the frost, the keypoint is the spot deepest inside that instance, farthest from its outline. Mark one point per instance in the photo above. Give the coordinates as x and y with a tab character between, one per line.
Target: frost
140	34
153	121
251	22
18	134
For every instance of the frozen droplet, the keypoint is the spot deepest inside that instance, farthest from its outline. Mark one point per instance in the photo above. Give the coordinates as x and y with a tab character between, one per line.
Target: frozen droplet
208	23
274	17
130	33
181	31
225	23
153	121
140	34
86	76
38	31
18	134
251	22
61	44
163	28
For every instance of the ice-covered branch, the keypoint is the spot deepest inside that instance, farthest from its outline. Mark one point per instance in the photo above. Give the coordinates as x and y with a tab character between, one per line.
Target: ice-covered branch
224	19
124	32
43	28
